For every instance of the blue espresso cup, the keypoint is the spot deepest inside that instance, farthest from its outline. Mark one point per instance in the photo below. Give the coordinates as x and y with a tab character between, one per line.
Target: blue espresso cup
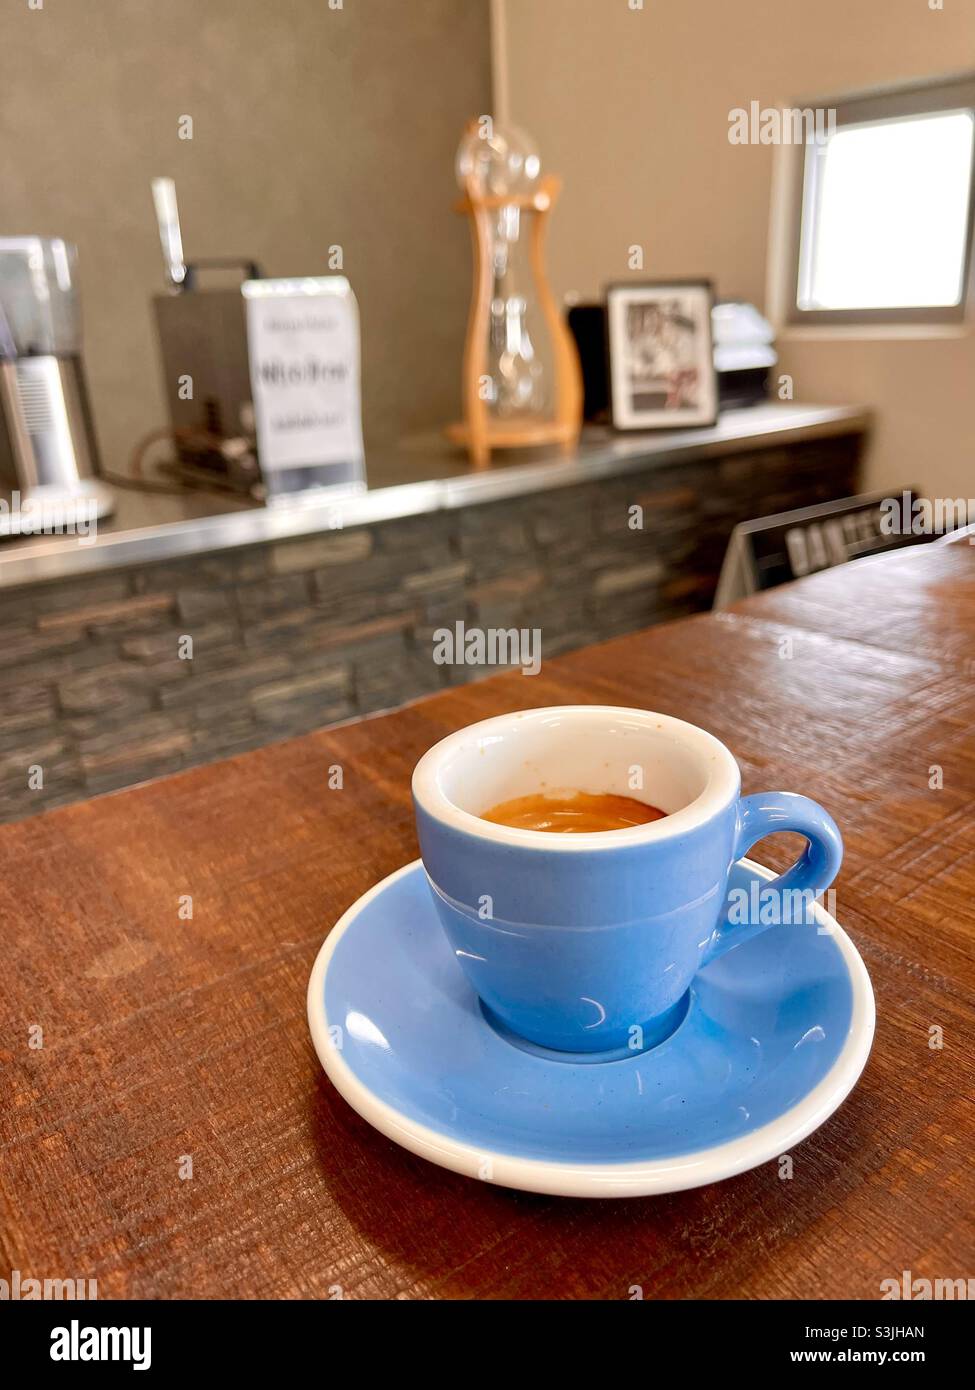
589	942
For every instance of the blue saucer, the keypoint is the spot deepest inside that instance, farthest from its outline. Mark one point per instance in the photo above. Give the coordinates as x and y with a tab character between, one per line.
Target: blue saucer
774	1036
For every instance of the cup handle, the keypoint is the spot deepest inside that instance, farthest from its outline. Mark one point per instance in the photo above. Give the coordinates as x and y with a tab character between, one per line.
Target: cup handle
811	874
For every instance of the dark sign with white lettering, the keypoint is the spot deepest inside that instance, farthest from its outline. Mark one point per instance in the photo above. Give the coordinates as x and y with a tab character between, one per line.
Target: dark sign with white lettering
790	545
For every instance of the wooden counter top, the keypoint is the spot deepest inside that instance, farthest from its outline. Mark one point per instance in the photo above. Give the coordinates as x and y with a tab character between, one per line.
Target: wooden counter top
164	1038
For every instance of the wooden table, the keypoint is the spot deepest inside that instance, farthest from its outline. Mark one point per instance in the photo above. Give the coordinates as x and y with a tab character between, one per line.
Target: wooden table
165	1037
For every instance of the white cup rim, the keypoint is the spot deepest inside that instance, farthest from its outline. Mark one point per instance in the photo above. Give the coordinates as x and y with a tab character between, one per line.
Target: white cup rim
723	784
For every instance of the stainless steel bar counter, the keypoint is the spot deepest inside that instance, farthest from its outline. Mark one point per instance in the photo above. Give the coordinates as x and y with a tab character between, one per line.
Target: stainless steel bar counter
194	627
425	476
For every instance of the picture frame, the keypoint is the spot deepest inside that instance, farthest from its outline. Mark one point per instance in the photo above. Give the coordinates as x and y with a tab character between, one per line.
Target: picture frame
660	354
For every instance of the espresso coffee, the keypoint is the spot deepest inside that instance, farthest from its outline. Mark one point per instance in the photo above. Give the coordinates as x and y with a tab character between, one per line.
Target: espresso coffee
577	813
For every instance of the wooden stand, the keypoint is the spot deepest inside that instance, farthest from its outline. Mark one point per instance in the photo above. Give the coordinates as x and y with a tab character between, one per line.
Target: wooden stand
478	433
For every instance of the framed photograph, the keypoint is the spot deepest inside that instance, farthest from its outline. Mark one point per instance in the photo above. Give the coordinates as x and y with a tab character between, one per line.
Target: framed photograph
661	362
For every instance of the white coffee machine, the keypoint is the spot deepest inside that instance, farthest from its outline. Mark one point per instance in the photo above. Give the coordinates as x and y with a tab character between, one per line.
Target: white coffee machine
48	455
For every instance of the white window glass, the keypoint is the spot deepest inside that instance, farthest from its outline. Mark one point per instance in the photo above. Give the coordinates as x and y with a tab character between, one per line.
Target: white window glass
885	214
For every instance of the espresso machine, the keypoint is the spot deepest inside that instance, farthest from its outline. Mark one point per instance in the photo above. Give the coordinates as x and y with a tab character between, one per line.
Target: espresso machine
202	333
48	454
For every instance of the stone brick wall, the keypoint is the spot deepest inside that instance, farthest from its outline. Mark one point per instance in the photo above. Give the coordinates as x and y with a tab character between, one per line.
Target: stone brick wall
290	636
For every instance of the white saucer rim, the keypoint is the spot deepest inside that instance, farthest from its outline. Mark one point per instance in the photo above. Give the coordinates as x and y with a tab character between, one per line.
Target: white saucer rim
572	1179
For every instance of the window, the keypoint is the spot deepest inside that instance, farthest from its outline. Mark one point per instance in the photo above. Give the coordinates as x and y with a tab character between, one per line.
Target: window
884	223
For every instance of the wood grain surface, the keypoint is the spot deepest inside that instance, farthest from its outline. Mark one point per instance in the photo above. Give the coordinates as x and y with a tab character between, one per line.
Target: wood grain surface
165	1038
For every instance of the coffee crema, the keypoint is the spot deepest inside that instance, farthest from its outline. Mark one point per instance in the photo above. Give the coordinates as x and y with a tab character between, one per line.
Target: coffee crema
578	813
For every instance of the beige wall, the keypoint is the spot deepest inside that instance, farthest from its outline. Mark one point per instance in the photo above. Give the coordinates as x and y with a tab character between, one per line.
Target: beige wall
312	126
631	106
